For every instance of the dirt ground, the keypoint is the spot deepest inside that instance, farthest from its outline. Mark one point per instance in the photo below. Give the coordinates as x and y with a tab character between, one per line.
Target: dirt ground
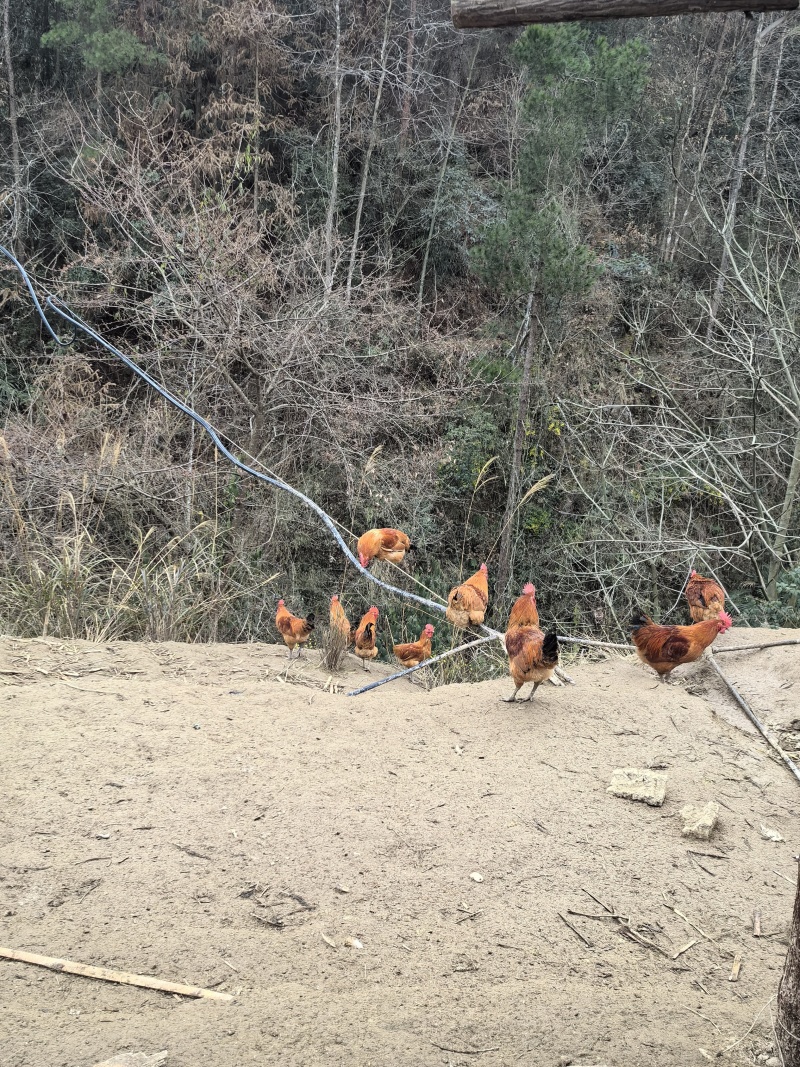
183	811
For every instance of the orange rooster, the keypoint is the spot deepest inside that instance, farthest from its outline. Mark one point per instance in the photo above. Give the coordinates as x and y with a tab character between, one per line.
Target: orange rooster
366	648
665	647
383	544
339	621
706	598
532	657
415	652
466	604
524	611
294	631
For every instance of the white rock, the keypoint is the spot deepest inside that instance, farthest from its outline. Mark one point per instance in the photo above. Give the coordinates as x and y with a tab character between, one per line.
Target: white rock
771	835
476	876
649	787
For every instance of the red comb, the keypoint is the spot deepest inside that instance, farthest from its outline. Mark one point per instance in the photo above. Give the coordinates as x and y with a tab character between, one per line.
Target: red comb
529	589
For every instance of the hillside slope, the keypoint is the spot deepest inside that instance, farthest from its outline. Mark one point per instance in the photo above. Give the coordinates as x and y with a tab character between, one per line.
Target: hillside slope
161	800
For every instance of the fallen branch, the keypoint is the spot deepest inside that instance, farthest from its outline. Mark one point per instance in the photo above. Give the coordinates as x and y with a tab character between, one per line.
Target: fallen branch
751	648
466	1051
105	975
751	715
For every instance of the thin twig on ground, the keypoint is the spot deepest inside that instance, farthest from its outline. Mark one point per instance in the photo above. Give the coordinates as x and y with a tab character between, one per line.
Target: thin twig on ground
86	970
465	1051
575	930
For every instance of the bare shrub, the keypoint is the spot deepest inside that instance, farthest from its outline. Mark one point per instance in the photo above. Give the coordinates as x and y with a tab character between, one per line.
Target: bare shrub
334	648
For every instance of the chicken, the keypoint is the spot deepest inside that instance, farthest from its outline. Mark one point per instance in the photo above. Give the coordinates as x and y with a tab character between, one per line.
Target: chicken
415	652
706	598
524	611
665	647
532	657
366	648
339	621
294	631
383	544
466	604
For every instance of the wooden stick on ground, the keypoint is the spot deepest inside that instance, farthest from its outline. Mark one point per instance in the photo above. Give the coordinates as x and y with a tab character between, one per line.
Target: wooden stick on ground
751	715
751	648
106	975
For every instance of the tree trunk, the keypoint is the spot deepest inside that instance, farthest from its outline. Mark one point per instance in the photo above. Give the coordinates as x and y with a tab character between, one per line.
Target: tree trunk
721	93
509	525
762	170
373	137
256	139
405	113
703	80
439	184
787	1022
337	138
784	522
16	164
736	179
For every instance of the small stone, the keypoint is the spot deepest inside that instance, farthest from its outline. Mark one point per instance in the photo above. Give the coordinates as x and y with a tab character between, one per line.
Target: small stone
476	876
771	835
699	821
773	1061
353	942
649	787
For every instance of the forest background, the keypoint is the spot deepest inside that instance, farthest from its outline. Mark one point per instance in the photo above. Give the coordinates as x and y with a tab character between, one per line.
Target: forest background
530	296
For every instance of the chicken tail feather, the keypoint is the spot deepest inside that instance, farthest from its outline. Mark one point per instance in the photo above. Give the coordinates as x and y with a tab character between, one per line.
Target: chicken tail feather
550	646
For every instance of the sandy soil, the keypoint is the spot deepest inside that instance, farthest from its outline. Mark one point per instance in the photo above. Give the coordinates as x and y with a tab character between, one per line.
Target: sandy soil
181	811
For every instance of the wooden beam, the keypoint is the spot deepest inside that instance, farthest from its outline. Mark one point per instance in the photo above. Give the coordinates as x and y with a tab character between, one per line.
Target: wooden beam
478	14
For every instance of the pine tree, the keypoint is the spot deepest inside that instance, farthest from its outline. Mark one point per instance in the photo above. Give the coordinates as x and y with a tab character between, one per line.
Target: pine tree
578	84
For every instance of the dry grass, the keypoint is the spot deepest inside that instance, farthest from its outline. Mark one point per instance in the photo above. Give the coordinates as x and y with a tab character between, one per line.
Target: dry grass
334	642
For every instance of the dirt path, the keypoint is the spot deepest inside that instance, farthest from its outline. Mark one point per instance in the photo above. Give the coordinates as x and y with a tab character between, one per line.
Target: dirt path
180	811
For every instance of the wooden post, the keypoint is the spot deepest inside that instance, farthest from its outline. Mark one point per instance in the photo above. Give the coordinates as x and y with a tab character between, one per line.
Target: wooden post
787	1023
470	14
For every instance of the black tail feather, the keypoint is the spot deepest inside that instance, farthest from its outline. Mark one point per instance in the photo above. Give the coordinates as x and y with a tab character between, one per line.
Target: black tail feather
550	646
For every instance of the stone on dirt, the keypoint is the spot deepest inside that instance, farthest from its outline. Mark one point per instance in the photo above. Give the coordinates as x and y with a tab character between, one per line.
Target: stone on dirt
699	820
649	787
